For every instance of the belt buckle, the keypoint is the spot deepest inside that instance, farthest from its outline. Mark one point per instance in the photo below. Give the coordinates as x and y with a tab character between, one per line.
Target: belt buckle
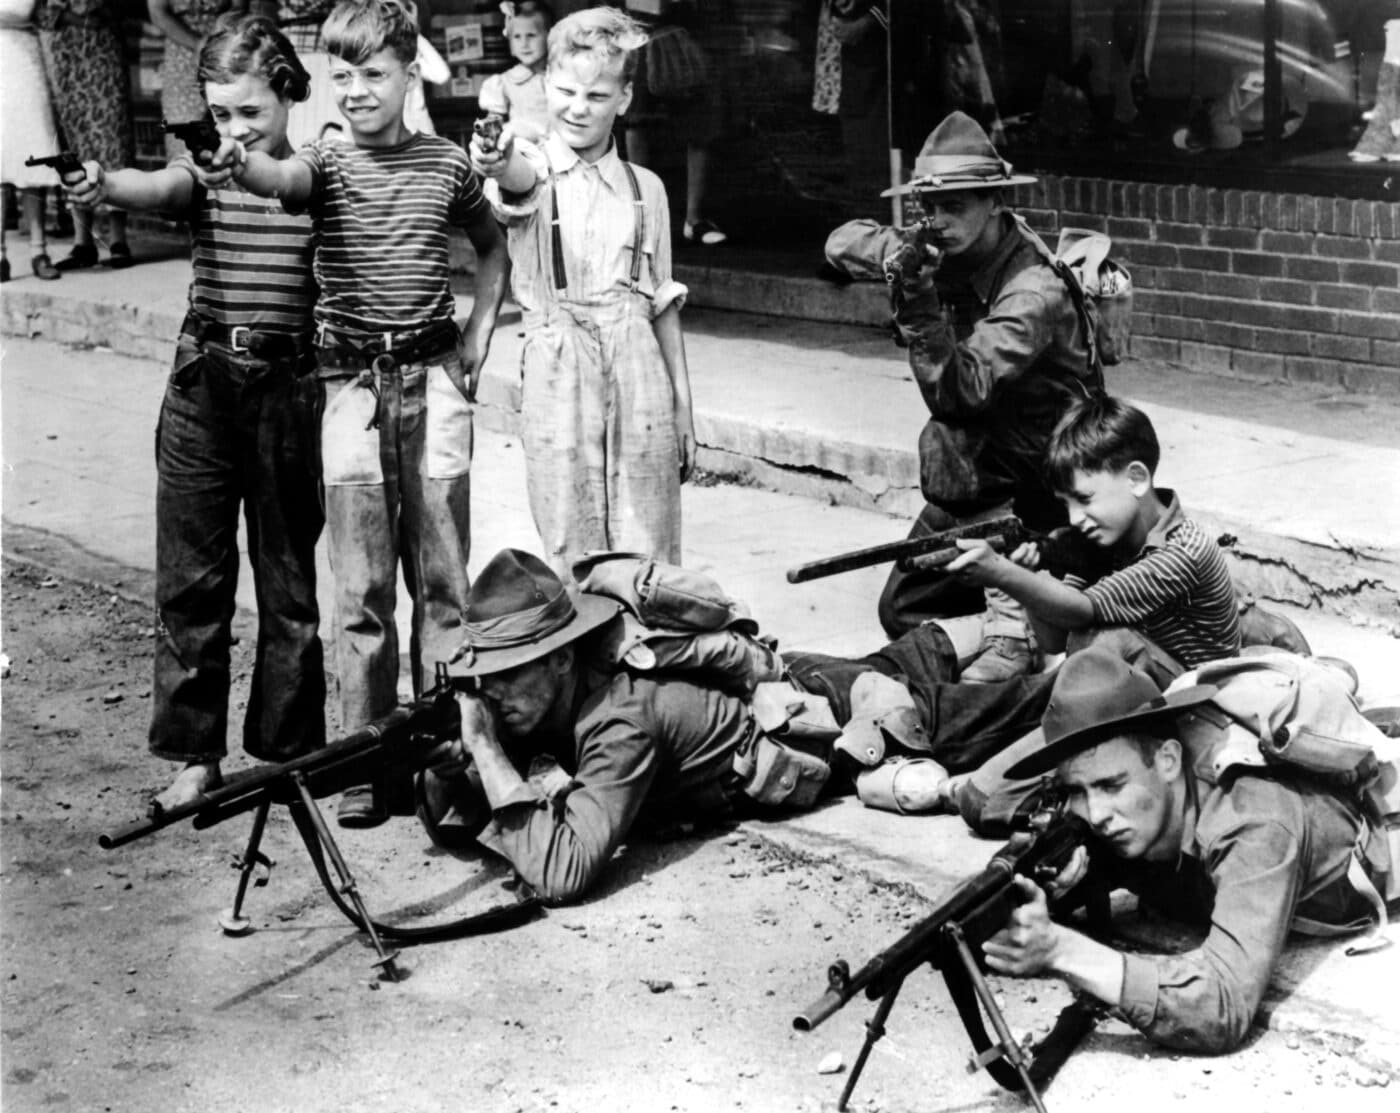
237	343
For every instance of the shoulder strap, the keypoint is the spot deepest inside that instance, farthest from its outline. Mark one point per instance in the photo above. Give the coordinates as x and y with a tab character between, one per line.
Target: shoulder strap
1076	296
639	211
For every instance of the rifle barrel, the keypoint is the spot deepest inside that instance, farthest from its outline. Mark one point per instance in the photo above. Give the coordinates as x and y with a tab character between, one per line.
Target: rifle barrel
243	793
1005	525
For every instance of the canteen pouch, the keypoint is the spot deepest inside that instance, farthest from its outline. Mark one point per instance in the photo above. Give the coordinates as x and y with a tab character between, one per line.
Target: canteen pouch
779	775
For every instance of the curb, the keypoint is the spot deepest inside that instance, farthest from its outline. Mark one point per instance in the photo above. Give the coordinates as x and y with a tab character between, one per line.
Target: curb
1328	574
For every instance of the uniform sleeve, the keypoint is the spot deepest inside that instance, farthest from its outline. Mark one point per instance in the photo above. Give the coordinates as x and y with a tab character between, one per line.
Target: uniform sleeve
516	208
560	846
1160	581
957	379
1206	999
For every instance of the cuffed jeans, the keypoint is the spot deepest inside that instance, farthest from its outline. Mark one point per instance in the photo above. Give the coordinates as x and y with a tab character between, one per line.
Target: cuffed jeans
396	450
234	429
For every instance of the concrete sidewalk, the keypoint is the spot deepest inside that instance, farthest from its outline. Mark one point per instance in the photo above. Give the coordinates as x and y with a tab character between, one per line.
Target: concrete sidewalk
1303	486
78	490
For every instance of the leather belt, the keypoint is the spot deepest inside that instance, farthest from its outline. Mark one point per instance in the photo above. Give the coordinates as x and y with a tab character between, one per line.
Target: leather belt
403	347
244	339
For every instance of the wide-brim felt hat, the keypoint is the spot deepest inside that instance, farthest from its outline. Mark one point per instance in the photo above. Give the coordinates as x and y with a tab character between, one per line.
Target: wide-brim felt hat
1097	696
957	155
518	610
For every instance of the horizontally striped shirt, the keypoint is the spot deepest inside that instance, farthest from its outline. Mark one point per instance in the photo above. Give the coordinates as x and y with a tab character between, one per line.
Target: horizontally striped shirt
1175	589
252	260
381	217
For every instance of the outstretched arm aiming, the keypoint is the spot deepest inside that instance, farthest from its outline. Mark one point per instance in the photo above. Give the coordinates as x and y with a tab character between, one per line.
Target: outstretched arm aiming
290	180
170	188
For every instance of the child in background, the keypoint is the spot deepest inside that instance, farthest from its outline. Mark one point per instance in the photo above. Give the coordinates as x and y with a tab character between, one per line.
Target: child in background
399	378
518	94
608	431
237	425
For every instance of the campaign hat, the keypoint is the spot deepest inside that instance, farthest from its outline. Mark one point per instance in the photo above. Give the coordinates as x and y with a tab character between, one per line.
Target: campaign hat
957	155
1097	696
518	610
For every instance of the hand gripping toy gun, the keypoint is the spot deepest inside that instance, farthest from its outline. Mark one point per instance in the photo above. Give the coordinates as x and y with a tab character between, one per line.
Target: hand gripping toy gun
1061	551
66	163
200	136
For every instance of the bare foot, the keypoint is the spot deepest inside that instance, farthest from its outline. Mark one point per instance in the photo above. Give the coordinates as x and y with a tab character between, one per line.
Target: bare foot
193	781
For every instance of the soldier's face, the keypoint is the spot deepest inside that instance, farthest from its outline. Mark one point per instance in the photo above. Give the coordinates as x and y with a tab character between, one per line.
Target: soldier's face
523	697
1126	798
961	221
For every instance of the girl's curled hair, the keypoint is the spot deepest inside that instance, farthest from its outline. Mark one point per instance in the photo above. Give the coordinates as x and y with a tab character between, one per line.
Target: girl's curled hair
243	44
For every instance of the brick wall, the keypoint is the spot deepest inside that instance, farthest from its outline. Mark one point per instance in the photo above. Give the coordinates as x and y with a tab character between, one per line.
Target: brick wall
1263	285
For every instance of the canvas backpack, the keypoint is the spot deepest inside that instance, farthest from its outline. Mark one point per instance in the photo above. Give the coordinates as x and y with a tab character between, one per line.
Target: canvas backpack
1280	710
681	622
677	620
1099	286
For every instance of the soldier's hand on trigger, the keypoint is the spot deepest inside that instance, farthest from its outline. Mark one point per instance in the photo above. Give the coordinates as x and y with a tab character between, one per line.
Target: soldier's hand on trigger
90	190
1073	873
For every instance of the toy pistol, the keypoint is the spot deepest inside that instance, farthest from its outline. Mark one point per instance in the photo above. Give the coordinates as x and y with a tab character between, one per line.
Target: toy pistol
66	163
200	136
489	129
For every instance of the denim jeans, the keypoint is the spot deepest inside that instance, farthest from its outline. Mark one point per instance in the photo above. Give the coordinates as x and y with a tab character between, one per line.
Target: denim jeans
968	723
396	450
234	429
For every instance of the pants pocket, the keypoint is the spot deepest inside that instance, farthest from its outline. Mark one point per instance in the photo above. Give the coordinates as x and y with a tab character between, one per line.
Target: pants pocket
349	436
449	427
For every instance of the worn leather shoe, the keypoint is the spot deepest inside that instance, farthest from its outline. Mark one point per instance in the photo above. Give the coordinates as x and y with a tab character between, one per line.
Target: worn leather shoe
44	268
358	808
82	256
1002	658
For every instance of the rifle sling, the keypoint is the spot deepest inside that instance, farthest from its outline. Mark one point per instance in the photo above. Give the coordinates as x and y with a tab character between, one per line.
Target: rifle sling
500	918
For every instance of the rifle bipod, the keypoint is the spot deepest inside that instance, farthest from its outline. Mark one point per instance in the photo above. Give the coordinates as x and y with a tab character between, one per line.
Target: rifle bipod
344	890
1014	1067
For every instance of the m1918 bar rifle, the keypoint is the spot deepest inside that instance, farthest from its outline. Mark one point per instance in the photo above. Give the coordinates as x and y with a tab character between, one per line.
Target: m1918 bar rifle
950	939
401	742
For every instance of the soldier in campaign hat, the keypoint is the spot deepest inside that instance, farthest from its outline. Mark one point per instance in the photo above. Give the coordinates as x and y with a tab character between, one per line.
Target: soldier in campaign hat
1249	855
999	350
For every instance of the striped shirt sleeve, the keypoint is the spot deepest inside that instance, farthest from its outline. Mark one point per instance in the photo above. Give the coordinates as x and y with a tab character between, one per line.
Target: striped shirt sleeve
1146	587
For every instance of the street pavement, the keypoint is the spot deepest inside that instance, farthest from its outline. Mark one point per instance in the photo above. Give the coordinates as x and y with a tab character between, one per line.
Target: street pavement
79	480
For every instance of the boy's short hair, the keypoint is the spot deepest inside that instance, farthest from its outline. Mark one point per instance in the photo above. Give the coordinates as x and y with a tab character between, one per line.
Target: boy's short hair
1100	434
611	36
359	29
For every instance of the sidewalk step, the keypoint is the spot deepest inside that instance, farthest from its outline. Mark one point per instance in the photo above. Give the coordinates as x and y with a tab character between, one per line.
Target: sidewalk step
1301	485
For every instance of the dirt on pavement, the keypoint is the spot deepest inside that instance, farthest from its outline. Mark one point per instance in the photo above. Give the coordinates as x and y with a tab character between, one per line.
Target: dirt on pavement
673	988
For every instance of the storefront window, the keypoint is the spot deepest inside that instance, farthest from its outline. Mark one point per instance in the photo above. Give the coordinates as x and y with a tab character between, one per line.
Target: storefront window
1171	89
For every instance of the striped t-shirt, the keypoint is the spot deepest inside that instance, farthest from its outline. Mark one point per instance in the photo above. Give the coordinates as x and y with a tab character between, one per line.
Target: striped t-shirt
1176	590
252	260
381	217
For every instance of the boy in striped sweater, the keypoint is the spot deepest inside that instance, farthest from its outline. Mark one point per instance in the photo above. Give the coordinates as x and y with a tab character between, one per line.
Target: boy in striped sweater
1168	604
399	378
